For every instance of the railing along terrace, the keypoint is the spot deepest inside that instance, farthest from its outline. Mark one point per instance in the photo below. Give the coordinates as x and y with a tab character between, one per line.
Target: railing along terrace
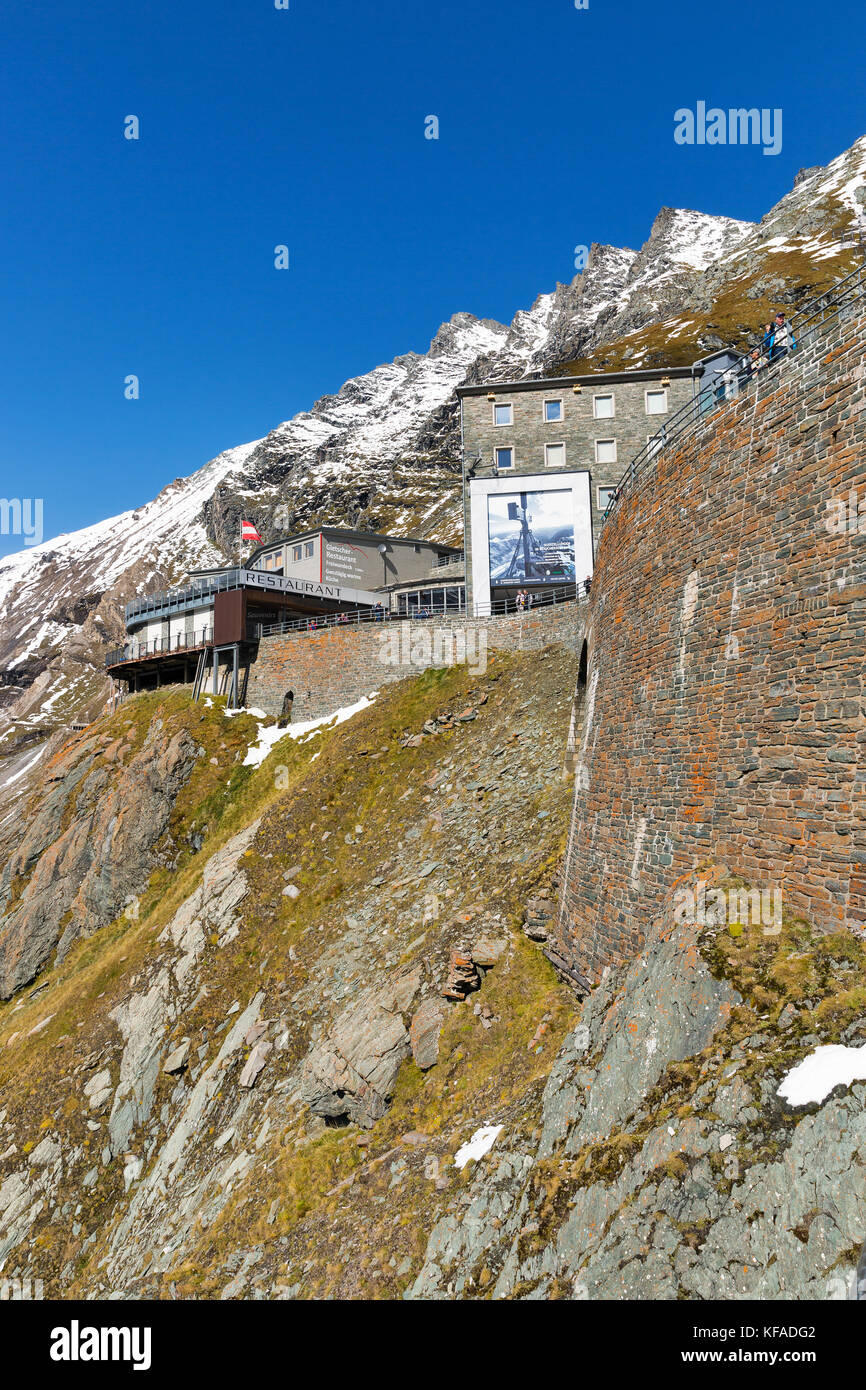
160	646
736	381
498	607
180	598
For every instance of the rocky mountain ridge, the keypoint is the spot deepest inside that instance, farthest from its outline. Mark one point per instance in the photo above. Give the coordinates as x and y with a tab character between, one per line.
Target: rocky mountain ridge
383	452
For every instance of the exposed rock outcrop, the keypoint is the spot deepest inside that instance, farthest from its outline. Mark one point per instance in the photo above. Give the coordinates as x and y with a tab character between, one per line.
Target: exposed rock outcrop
665	1165
90	847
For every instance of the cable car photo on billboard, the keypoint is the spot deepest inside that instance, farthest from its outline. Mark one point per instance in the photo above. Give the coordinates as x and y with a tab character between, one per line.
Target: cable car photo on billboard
531	537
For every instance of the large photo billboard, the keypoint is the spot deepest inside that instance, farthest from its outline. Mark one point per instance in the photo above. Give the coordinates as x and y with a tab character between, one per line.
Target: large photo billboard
529	531
530	537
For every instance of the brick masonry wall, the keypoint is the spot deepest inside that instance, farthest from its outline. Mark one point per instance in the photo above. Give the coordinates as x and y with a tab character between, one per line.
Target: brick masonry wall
723	708
337	666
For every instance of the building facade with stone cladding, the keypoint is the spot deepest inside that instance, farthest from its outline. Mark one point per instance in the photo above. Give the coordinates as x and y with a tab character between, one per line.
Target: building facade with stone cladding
720	712
639	403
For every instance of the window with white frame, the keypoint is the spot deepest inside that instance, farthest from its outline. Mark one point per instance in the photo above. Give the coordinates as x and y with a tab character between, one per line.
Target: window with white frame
504	457
503	414
309	549
297	552
605	451
554	455
654	443
604	497
552	411
656	402
603	406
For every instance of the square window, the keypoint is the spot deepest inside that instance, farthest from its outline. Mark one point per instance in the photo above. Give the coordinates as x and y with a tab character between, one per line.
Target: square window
502	414
504	457
552	411
554	455
603	407
604	496
656	402
605	451
309	549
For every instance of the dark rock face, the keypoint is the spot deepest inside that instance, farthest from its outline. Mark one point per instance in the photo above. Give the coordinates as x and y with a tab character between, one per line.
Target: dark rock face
89	849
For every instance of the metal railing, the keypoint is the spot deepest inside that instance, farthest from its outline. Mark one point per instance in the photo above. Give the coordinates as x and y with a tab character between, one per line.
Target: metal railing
729	385
160	646
171	599
496	608
546	598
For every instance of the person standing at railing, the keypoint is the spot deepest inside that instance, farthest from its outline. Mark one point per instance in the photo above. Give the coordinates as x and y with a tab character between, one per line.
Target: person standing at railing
782	339
767	340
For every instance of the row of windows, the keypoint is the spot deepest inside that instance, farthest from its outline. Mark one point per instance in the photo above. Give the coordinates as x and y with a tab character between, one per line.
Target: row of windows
440	600
603	407
505	456
273	562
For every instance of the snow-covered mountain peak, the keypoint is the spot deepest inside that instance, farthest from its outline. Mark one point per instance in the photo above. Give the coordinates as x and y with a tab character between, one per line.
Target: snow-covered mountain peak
695	239
382	452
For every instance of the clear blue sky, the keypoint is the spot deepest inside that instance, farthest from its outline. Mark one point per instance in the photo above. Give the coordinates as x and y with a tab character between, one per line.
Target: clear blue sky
306	127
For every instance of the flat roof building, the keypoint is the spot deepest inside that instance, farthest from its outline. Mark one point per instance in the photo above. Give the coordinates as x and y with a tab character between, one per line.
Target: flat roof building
219	615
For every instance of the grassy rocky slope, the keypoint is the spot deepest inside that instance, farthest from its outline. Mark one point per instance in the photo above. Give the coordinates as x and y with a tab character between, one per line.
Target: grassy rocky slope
290	922
248	1082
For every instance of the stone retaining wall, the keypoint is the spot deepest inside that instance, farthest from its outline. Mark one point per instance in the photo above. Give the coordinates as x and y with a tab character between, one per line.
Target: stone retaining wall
337	666
722	712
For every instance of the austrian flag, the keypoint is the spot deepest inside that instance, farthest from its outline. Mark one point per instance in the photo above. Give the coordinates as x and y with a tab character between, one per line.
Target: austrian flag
249	532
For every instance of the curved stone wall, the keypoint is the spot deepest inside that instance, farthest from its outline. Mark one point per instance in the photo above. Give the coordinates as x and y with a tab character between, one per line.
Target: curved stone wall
722	712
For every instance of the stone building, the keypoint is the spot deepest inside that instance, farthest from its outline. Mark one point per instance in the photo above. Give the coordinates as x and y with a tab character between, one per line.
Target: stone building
555	429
